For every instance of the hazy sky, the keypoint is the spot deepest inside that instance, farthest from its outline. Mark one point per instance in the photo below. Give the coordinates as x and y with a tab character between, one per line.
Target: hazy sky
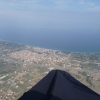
52	14
60	24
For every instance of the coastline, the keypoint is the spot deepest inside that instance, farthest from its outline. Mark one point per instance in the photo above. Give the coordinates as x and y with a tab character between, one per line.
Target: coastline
50	48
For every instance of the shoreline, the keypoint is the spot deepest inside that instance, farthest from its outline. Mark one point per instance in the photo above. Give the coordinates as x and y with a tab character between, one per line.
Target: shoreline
66	51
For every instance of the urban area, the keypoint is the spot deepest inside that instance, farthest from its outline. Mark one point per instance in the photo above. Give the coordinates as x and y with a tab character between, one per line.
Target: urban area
22	66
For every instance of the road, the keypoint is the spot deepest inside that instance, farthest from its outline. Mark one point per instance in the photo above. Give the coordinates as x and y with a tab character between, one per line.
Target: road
19	70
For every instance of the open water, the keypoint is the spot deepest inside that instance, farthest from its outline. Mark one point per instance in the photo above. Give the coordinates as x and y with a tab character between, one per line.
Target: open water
71	41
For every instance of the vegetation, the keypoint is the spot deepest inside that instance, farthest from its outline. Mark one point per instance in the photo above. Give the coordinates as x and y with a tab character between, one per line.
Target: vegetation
4	72
88	79
6	78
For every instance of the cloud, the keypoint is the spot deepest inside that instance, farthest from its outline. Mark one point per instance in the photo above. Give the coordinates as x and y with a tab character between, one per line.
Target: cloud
37	15
95	9
60	1
82	2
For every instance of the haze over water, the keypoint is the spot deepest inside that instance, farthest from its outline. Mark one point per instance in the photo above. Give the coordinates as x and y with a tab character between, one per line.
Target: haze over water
54	39
66	25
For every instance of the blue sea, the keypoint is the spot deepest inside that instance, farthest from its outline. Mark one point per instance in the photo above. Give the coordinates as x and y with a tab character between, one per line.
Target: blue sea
69	40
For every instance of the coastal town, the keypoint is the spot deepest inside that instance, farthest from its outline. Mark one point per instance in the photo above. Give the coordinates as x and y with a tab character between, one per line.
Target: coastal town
21	67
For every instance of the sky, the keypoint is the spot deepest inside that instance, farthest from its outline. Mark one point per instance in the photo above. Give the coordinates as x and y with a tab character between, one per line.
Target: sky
73	19
53	14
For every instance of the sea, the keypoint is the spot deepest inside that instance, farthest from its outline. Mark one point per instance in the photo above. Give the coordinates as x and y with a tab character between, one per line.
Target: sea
68	41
